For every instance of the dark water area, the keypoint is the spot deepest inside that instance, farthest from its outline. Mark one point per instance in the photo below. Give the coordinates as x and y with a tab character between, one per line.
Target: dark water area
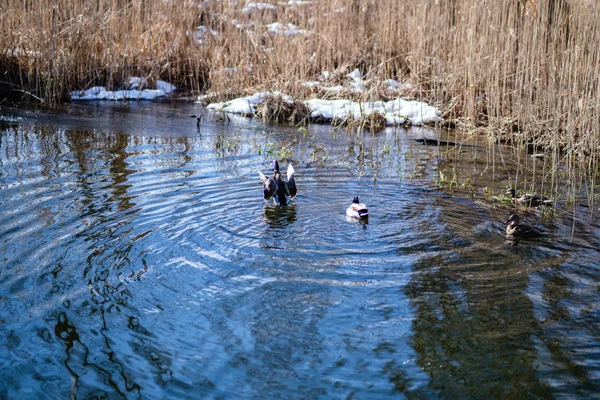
138	260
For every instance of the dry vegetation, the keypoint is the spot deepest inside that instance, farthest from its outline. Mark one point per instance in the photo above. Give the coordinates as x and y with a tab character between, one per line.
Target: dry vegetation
523	69
277	109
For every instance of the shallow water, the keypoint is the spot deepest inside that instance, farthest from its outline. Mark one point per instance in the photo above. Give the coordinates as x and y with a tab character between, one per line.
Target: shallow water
138	260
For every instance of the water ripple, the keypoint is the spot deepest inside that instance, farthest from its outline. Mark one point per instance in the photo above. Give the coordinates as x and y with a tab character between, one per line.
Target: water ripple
149	266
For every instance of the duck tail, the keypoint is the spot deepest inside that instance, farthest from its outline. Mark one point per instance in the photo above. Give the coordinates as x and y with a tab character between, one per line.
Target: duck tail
262	176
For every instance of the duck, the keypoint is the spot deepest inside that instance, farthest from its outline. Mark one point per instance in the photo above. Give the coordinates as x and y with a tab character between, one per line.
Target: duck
515	229
270	186
357	209
277	187
530	200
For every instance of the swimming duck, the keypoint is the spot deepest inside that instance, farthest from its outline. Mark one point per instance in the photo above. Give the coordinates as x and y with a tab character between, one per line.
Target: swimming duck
270	186
282	189
531	200
514	228
357	209
277	186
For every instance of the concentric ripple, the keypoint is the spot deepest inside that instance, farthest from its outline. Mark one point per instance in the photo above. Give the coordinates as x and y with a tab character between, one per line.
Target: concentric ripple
138	260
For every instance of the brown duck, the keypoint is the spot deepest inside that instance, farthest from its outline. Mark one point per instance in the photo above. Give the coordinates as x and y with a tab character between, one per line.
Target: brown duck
530	200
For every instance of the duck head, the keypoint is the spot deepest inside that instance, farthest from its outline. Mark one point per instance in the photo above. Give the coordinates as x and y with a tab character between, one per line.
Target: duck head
275	165
512	220
511	192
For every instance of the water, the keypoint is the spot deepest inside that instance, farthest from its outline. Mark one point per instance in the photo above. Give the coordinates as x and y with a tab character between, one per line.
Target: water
138	260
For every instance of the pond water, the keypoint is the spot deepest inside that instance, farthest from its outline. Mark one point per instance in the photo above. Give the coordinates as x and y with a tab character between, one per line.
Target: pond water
138	260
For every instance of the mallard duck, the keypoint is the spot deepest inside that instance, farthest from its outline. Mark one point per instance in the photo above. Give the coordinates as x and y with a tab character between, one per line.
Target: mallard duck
269	185
357	209
515	229
531	200
286	187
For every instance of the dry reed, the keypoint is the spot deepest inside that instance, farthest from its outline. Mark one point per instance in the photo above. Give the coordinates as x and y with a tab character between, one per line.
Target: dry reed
277	109
526	70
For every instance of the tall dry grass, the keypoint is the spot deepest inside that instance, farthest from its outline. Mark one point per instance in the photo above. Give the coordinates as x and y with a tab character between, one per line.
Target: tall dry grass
526	70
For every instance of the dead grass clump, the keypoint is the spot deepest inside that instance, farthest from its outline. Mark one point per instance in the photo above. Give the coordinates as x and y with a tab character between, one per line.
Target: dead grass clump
348	122
278	109
373	122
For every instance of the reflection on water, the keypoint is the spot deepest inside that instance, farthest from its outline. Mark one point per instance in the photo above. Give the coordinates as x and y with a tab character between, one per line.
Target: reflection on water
280	216
138	260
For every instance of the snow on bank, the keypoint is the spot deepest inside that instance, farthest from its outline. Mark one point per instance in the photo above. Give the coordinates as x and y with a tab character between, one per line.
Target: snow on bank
354	83
396	112
285	29
133	93
258	6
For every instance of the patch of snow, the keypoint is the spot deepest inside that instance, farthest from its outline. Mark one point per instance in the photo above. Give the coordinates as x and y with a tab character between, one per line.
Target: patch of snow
242	105
396	112
202	32
205	97
258	6
334	89
355	75
392	85
204	29
229	70
324	76
242	25
395	86
311	84
295	2
357	86
356	82
165	86
395	120
135	82
100	93
285	29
